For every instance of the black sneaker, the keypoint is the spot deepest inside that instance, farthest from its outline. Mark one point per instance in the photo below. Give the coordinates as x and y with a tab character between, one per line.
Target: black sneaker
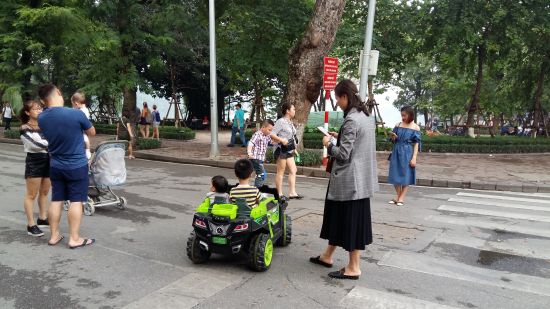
42	223
34	231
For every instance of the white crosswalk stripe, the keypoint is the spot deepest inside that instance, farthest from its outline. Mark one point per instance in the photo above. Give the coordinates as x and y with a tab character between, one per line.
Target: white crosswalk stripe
360	297
514	226
506	197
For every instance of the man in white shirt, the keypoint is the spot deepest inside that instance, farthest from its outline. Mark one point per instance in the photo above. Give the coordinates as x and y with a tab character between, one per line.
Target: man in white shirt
7	116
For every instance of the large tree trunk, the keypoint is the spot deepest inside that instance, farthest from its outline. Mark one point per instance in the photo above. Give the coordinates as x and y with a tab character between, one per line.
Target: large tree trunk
538	114
474	103
305	67
129	104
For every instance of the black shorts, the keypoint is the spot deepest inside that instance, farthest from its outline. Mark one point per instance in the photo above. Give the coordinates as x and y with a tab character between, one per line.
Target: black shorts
37	165
279	154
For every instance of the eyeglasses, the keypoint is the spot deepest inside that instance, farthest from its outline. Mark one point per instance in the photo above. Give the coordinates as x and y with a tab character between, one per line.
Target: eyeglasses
37	108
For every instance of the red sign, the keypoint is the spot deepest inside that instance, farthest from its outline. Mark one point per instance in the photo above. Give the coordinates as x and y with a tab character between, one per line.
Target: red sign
330	73
331	65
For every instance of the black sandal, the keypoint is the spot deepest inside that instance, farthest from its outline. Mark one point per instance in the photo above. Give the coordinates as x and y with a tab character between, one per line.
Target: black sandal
317	260
84	243
297	197
340	274
58	241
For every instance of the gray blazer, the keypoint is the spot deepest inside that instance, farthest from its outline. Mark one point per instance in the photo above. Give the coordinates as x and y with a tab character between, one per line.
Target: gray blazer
354	174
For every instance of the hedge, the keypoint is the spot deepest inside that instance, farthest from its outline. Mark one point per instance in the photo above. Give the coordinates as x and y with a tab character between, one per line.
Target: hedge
308	157
12	133
148	143
164	131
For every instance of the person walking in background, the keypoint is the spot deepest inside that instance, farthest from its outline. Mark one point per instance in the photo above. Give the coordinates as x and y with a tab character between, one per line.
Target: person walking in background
37	167
353	181
406	138
257	148
155	115
284	135
126	129
145	121
63	128
8	114
238	126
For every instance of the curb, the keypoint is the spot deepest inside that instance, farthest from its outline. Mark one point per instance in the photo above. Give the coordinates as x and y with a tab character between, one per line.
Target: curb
319	173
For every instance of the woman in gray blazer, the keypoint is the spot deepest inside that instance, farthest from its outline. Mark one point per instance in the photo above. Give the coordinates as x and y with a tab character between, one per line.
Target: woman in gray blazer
353	181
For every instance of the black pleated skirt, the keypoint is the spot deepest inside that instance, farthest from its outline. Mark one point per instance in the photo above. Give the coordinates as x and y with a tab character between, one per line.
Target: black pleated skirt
347	224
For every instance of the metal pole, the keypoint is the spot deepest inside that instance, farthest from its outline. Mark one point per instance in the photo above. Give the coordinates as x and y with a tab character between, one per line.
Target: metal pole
366	51
214	148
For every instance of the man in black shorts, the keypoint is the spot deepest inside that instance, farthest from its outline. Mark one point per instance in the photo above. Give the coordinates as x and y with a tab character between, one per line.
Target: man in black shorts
63	128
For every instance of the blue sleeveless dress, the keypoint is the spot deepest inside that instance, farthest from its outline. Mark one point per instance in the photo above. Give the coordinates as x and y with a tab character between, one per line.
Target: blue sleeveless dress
401	173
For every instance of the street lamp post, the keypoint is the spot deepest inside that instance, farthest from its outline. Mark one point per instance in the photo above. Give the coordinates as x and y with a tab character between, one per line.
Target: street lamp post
366	51
214	148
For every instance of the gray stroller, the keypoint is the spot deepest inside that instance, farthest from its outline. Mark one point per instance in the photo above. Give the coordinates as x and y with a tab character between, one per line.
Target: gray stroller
107	169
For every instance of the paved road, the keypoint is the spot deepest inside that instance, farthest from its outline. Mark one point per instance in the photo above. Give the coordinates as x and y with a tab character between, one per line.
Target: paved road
453	248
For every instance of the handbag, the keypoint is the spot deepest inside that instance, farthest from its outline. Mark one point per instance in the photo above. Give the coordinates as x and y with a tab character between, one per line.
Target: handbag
290	147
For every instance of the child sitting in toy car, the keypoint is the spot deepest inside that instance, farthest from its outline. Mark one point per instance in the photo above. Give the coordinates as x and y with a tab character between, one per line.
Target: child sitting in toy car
218	190
243	171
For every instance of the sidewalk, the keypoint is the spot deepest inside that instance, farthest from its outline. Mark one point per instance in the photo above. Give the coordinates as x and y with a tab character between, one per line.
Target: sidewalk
504	172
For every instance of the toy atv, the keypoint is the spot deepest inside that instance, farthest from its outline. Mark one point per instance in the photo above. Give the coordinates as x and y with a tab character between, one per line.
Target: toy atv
226	228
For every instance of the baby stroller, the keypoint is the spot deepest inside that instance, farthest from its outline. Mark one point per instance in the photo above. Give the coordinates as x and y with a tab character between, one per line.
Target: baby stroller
107	169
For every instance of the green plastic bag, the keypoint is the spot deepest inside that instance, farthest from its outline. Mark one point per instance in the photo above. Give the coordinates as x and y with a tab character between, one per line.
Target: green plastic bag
297	158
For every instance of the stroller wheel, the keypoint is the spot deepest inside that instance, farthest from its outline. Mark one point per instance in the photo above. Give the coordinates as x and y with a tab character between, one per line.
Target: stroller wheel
89	207
122	203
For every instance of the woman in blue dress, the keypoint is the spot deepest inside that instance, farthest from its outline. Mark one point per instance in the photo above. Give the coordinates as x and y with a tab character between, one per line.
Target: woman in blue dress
406	138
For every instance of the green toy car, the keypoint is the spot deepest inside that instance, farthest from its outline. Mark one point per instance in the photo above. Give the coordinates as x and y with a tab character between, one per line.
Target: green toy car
228	229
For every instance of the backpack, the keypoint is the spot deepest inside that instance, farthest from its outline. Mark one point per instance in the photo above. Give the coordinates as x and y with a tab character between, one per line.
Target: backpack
157	116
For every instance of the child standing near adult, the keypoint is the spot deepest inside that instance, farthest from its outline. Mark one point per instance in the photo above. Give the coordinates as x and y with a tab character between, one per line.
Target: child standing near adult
406	138
78	101
257	148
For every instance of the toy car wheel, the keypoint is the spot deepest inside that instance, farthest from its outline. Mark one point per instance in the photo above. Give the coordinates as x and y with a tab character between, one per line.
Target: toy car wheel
286	238
89	207
66	205
121	203
194	251
260	252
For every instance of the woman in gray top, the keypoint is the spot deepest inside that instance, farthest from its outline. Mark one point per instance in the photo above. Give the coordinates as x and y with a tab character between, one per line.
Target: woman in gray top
284	135
353	181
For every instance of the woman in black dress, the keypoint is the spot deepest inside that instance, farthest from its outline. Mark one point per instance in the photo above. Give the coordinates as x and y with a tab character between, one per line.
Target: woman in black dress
37	167
353	181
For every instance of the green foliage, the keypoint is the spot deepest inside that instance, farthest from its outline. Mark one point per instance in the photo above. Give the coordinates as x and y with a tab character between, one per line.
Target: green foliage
311	158
12	134
148	143
164	131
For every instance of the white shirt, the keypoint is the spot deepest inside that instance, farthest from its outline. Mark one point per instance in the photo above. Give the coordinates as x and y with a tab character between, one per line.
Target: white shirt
7	112
86	112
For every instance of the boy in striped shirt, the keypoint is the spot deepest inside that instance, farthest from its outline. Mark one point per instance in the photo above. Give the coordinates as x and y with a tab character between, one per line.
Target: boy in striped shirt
243	171
257	148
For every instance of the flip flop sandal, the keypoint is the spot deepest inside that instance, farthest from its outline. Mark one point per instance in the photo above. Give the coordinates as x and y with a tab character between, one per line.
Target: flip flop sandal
317	260
340	275
84	243
58	241
400	204
297	197
393	202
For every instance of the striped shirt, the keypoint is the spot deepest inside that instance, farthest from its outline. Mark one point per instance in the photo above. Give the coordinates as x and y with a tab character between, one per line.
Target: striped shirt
33	140
259	143
249	193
